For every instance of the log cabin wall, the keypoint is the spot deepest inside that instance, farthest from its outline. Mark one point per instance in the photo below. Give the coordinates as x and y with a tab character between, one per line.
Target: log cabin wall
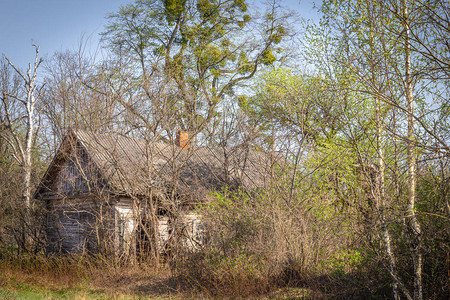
77	225
78	218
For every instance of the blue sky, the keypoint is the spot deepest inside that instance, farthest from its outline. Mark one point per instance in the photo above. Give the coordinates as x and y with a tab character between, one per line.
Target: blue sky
54	25
59	25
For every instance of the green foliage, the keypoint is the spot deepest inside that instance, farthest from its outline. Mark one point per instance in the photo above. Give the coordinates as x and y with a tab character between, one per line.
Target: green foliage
174	9
286	240
236	223
302	103
345	261
268	58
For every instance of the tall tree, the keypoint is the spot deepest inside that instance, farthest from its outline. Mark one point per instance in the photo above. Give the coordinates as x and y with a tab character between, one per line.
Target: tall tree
201	50
20	121
368	53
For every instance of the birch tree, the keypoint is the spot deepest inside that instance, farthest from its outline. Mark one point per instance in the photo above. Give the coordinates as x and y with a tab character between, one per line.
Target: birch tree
20	122
376	54
412	221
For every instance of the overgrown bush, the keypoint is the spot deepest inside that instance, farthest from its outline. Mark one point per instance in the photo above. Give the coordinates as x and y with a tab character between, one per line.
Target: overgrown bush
258	242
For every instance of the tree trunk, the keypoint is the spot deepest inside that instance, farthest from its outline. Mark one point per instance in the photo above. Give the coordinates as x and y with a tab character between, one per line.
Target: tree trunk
24	148
413	224
380	178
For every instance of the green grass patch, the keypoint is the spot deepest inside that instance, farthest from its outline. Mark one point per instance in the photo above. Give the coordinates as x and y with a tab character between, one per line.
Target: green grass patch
26	291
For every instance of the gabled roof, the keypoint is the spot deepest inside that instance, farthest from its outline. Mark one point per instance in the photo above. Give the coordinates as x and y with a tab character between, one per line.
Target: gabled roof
134	166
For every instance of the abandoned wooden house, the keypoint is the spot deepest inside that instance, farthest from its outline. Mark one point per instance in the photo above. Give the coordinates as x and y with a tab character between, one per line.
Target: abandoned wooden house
126	195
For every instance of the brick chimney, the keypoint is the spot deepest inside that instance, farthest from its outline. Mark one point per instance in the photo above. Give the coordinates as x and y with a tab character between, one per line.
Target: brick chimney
182	139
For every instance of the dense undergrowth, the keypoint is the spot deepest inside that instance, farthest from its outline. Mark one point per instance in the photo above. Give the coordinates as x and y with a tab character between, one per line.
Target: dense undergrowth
264	245
201	276
270	244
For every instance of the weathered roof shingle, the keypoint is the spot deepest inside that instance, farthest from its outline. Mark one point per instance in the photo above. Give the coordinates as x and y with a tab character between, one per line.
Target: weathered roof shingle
135	166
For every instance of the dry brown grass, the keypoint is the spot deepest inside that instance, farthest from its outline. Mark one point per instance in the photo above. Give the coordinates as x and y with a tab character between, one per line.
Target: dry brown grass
92	273
202	276
91	277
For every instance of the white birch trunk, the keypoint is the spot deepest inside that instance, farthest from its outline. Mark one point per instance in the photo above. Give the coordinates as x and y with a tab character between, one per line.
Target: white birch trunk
23	149
412	217
380	179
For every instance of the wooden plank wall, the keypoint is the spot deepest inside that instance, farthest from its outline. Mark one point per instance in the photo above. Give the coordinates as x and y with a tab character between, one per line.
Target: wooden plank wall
74	225
78	224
